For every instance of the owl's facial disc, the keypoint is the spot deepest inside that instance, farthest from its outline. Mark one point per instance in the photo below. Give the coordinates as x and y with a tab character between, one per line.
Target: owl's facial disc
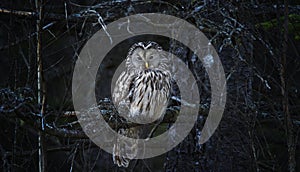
146	59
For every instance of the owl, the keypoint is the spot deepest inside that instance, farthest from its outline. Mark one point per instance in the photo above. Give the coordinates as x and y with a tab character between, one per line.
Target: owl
141	94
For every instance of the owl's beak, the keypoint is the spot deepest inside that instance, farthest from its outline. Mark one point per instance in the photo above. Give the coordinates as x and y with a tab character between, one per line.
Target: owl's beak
146	65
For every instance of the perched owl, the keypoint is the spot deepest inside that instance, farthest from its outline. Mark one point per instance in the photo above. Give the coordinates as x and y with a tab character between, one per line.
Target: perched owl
141	94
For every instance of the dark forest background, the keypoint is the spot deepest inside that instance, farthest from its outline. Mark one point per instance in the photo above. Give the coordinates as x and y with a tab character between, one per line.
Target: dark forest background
257	41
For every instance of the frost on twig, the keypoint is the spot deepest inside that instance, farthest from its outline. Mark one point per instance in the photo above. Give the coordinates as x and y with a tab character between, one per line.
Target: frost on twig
100	21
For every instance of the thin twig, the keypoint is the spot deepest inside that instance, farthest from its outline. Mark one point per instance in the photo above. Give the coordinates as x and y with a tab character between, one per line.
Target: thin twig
41	87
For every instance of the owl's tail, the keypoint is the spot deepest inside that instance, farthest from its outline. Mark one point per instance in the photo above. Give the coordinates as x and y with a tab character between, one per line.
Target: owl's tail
117	156
124	151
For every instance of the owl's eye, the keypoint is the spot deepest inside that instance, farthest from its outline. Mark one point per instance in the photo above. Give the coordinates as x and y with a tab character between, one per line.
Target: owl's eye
139	58
151	57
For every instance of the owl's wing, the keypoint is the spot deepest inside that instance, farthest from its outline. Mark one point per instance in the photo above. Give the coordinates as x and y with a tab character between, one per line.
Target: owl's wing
121	91
122	152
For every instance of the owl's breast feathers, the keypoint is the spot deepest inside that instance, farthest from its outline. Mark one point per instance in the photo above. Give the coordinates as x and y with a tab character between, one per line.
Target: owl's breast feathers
149	94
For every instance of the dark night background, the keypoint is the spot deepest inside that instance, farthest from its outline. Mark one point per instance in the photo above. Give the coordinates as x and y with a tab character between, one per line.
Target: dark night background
257	41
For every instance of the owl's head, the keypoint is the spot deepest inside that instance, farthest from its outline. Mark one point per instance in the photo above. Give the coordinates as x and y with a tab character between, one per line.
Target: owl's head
146	55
